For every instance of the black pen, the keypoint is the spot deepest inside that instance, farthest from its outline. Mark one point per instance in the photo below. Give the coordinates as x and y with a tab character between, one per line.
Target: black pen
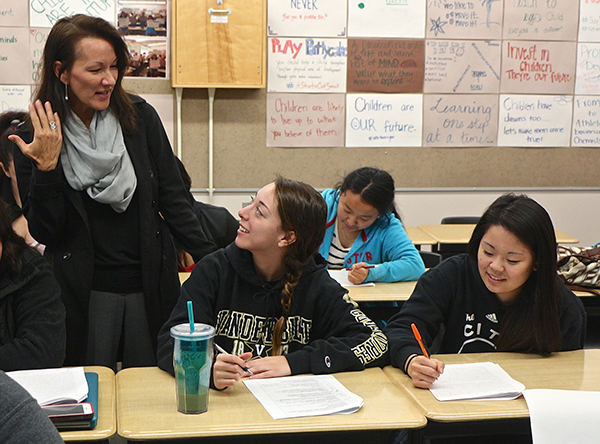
222	350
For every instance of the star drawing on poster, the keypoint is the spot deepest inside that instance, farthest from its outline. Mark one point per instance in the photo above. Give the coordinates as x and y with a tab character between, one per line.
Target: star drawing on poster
437	26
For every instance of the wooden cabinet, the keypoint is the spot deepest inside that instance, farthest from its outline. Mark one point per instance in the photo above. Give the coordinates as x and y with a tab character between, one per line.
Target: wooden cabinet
219	45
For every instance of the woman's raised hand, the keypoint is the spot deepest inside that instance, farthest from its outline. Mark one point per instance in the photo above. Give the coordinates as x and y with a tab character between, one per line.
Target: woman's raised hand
45	148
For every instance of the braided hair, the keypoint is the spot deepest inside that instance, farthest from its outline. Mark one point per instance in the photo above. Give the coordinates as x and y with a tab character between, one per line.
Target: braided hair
303	211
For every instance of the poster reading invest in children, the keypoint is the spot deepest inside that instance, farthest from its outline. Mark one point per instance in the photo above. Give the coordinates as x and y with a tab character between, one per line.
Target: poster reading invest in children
383	120
386	18
44	13
307	65
385	65
462	66
307	18
528	120
460	120
538	67
305	120
541	20
464	19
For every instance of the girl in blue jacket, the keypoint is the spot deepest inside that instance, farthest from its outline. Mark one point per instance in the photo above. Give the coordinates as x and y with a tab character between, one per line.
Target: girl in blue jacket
364	229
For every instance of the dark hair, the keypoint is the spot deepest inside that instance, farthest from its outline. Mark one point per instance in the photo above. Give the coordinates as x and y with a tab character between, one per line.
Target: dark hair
61	46
301	210
6	129
532	323
12	243
376	187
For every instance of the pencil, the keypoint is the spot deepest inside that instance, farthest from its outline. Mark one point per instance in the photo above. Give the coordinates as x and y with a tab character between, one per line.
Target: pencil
419	340
366	266
222	350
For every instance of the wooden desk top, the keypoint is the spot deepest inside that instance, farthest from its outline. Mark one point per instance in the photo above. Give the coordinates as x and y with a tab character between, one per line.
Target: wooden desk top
107	412
147	409
461	233
383	292
419	237
575	370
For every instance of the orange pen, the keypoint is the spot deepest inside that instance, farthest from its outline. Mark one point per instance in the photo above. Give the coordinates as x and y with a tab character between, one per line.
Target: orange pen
419	340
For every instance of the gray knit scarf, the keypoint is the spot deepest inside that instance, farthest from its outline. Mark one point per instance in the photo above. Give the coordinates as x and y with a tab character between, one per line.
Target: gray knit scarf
96	159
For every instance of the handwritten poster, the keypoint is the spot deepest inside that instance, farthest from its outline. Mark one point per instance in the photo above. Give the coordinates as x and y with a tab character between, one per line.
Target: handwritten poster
589	21
588	69
586	121
307	18
464	19
534	121
14	64
44	13
460	120
14	97
541	20
462	66
305	120
383	120
13	13
538	67
37	40
386	18
390	65
306	65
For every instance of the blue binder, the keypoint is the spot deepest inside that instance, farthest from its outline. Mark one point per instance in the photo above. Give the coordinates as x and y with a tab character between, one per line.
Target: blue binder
92	380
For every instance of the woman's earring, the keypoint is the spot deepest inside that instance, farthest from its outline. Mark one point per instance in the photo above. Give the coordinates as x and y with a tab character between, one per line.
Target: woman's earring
66	92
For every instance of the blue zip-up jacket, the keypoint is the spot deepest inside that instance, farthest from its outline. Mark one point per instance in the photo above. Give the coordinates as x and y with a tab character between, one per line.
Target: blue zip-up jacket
384	243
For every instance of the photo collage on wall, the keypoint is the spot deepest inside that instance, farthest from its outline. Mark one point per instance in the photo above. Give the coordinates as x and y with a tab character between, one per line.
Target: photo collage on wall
433	73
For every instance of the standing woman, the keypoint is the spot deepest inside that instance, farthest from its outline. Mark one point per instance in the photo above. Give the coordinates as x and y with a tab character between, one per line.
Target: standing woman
503	295
269	296
364	229
102	191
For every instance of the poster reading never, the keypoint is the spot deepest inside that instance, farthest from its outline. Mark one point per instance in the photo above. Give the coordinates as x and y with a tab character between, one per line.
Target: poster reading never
390	65
307	18
386	18
306	65
383	120
462	66
14	97
305	120
589	21
586	121
541	20
460	120
534	121
14	64
538	67
588	68
44	13
452	19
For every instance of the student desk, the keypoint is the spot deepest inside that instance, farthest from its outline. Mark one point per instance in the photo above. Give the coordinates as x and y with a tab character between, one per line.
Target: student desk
147	410
107	417
461	234
419	237
383	292
574	370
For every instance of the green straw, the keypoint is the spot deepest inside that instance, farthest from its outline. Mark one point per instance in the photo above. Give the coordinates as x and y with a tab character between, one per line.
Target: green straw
191	316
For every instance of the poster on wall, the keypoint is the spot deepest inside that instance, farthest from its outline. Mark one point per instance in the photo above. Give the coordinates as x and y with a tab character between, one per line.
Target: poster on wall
534	121
386	18
305	120
385	65
37	41
538	67
464	19
588	67
14	63
541	20
44	13
13	13
462	66
14	97
306	65
459	120
383	120
586	121
307	18
589	21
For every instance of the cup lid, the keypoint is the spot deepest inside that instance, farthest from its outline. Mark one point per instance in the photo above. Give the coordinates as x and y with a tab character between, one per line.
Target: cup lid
201	331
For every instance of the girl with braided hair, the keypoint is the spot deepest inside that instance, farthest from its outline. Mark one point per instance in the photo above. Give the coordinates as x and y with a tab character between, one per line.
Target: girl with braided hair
269	296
